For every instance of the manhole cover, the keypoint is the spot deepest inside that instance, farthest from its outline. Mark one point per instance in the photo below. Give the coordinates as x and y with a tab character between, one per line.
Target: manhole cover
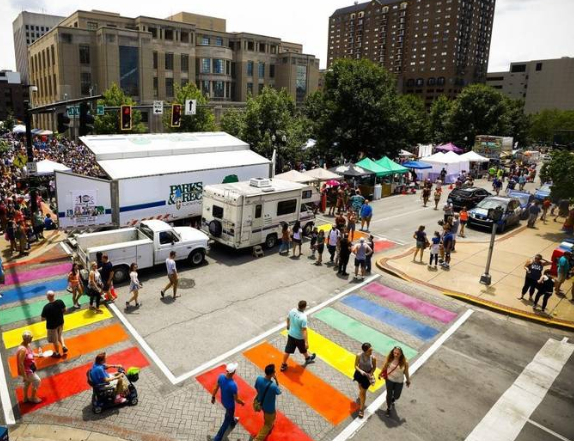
186	283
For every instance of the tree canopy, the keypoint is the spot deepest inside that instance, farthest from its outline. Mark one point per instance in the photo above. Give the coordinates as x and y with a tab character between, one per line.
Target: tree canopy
548	123
560	170
109	123
202	121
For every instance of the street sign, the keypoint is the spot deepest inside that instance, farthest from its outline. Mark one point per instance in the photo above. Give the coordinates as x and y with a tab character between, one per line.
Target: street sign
100	110
73	111
32	168
190	107
158	107
20	160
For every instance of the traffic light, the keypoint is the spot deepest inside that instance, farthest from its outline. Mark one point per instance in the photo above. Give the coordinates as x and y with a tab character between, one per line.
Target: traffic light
126	117
63	122
86	120
176	115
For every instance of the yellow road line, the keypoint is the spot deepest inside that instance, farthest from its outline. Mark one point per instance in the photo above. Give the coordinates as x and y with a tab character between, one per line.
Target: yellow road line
75	320
336	356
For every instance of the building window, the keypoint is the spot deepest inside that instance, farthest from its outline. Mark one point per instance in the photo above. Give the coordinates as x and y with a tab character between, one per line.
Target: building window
262	48
205	40
249	88
260	87
169	87
205	65
538	66
271	71
431	81
92	25
232	69
440	81
218	41
273	49
85	83
155	60
168	34
184	37
129	70
227	67
301	83
219	89
153	32
184	62
218	66
168	61
261	70
84	54
155	87
66	38
53	53
250	46
205	87
420	82
250	68
410	82
184	82
517	68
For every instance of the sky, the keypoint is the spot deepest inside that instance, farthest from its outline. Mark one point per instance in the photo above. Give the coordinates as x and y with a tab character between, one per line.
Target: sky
523	29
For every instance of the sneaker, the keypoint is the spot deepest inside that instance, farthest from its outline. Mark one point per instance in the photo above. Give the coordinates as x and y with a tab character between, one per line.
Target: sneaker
388	412
283	367
127	305
56	355
236	420
162	293
65	350
311	358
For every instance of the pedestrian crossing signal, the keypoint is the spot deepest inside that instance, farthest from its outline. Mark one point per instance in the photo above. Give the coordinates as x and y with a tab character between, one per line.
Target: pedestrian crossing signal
126	118
176	115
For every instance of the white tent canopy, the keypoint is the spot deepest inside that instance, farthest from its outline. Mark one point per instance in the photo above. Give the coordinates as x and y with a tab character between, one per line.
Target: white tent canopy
47	167
19	128
405	153
320	174
474	157
294	176
451	162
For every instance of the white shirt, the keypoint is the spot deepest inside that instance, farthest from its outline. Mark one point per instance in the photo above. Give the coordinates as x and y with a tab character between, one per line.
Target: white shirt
333	236
297	234
170	264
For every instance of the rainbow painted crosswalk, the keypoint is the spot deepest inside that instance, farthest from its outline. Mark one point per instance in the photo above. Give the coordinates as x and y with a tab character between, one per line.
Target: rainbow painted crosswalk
374	313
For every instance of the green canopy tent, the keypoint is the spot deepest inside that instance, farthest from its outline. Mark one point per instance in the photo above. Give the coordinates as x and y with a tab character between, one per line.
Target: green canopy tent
388	164
372	166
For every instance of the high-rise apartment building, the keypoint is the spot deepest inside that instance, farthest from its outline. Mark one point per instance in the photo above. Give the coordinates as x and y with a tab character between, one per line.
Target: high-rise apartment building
542	84
12	95
434	47
27	28
147	57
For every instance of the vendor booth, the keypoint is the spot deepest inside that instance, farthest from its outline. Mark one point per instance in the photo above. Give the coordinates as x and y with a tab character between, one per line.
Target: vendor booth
320	174
395	182
47	167
477	170
451	162
294	176
374	186
421	168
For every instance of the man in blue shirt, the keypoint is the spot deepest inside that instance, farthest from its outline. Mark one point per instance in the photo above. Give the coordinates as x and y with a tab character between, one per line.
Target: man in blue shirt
533	212
99	375
229	397
366	215
563	271
297	335
267	392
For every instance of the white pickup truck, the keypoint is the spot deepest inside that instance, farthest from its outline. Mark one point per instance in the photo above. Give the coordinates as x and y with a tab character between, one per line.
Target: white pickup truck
147	245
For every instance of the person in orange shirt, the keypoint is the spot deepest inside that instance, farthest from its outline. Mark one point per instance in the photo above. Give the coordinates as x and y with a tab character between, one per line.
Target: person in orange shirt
545	207
463	221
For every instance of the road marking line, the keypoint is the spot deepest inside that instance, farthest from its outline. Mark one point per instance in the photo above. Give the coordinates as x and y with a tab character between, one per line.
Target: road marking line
505	420
351	430
5	396
398	215
547	430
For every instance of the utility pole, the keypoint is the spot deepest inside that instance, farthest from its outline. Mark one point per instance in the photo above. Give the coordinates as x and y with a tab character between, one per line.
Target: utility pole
30	154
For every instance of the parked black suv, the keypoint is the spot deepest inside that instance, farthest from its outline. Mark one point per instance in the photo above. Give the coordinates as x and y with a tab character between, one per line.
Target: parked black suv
467	197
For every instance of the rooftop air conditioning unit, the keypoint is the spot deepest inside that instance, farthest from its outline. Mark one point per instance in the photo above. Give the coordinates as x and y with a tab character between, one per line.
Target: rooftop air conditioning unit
260	182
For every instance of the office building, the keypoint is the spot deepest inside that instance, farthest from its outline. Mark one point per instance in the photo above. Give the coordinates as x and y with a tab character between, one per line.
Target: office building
27	28
12	95
542	84
434	47
148	57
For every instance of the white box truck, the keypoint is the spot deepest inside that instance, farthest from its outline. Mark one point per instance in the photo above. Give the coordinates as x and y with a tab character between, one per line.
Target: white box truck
149	176
147	245
244	214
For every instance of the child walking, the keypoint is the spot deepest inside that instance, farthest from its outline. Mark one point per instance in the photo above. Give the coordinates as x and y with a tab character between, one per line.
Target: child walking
135	286
434	249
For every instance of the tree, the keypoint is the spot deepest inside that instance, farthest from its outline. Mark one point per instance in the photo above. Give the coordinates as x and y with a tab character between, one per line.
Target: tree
439	117
233	122
517	122
414	121
560	170
545	124
202	121
109	123
9	122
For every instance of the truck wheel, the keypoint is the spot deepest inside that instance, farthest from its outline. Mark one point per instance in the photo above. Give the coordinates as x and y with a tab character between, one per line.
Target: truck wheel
197	257
308	229
271	241
121	273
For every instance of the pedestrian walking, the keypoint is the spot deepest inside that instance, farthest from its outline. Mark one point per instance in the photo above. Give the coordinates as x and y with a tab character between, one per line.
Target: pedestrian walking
285	238
320	247
546	204
521	182
434	250
394	371
297	238
53	314
544	289
365	366
11	235
366	215
443	175
533	212
448	244
463	215
563	272
172	275
534	269
341	222
497	185
135	286
351	224
332	200
38	224
313	242
361	251
371	245
333	241
344	255
454	227
27	369
297	337
357	201
421	242
437	196
563	207
448	211
2	275
95	288
21	238
229	396
107	274
75	285
267	388
426	195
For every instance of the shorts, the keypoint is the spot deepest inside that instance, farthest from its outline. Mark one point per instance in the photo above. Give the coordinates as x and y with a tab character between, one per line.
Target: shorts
351	227
360	263
320	248
134	287
54	335
295	343
366	218
421	244
32	378
561	277
463	222
297	241
106	287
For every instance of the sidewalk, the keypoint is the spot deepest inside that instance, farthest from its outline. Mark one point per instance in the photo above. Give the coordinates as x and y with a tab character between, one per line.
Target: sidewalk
507	270
49	432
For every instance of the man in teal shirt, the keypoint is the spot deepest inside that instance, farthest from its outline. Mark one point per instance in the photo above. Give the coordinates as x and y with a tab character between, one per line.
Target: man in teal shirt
297	335
267	390
563	271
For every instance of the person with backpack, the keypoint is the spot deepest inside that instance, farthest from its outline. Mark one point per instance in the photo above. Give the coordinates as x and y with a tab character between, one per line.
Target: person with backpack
361	251
545	289
267	388
320	247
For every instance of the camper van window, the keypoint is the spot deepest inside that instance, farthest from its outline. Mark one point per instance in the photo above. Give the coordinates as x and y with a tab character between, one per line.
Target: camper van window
258	210
217	212
307	194
286	207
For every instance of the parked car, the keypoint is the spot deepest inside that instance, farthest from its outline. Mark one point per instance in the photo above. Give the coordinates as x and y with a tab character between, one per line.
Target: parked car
543	192
525	199
467	197
478	216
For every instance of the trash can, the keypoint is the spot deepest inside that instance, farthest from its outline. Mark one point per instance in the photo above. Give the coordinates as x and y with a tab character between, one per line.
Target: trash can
378	191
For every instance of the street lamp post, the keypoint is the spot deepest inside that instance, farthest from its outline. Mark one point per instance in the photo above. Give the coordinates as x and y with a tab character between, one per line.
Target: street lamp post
30	150
494	214
275	147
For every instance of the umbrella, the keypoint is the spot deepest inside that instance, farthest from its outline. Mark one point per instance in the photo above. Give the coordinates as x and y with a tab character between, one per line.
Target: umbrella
333	183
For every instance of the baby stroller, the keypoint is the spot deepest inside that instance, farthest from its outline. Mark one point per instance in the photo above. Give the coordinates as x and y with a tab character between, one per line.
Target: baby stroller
104	395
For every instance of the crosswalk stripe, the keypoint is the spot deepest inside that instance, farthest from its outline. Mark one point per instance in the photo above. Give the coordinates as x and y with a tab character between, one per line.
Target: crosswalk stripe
327	401
390	317
381	343
77	346
75	320
283	430
32	310
336	356
19	277
21	293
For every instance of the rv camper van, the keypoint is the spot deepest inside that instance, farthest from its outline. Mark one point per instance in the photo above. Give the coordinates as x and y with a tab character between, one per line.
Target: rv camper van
249	213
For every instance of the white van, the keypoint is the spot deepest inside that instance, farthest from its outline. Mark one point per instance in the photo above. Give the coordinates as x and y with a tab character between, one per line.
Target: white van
244	214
